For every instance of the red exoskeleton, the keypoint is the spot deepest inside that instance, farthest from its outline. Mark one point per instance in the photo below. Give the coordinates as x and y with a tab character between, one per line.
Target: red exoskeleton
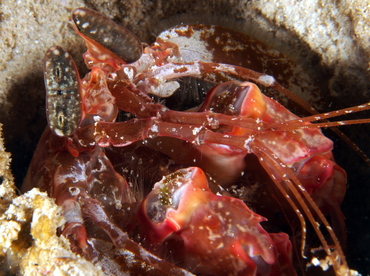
189	217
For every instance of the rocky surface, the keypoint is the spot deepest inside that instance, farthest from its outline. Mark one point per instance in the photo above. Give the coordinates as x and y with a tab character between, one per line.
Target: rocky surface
331	37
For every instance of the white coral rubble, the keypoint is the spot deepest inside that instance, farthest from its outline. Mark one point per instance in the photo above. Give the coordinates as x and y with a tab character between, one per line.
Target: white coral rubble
29	244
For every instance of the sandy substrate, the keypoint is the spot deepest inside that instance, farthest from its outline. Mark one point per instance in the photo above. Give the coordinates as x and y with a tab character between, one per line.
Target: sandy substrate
332	37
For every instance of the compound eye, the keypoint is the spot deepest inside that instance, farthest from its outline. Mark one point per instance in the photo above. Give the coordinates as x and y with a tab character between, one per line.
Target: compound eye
63	92
103	31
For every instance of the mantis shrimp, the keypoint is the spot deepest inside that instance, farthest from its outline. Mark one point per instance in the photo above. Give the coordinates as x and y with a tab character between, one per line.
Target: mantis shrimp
196	156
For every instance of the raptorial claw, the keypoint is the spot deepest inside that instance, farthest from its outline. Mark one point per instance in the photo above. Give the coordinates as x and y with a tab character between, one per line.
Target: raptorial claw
77	236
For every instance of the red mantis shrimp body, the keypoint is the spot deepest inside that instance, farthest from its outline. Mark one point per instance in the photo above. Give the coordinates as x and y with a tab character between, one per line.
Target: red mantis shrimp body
198	154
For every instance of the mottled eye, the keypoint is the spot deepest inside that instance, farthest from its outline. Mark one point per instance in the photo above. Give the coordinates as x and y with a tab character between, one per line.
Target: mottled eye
63	97
105	32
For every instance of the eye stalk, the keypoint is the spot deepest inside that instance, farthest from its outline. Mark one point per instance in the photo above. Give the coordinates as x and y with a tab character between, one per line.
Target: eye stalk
63	92
101	34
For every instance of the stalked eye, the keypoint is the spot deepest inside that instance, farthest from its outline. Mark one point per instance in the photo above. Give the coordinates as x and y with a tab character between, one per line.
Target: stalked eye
105	32
63	96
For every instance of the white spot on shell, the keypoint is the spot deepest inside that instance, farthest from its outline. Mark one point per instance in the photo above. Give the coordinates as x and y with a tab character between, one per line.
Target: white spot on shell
80	12
56	52
58	131
266	80
154	128
85	25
